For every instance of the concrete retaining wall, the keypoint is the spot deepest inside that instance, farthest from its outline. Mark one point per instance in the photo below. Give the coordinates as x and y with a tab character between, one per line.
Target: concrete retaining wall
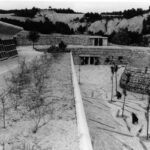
103	54
56	39
129	56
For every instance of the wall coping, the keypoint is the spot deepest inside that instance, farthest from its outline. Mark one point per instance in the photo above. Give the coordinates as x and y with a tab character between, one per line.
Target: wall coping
83	131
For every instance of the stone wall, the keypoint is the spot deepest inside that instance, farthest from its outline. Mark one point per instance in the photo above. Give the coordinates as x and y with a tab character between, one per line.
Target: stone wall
56	39
105	42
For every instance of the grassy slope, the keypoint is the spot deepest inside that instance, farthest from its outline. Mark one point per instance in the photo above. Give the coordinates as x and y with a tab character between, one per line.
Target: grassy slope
8	30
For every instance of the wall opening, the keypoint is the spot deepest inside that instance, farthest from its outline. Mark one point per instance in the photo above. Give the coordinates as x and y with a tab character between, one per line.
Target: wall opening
91	60
85	60
96	41
100	42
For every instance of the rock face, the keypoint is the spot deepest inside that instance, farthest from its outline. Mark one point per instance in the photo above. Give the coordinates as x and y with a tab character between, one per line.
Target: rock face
134	24
98	26
7	30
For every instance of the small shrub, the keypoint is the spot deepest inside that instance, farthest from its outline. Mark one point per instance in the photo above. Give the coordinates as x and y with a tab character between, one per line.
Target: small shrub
62	45
52	49
107	60
33	36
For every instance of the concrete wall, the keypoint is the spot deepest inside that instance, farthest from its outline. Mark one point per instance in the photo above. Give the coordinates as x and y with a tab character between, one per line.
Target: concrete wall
131	57
102	53
56	39
105	42
83	130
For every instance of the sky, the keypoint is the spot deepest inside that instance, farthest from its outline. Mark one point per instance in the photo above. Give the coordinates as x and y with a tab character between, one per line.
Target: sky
77	5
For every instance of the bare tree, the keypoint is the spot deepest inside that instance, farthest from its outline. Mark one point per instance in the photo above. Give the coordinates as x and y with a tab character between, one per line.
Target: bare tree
147	115
148	107
128	75
125	94
33	36
35	98
112	80
17	82
28	86
145	71
79	66
3	102
115	70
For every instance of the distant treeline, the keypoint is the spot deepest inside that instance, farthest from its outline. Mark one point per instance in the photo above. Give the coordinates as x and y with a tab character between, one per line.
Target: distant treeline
127	13
89	17
125	37
32	12
146	25
65	11
92	17
22	12
46	27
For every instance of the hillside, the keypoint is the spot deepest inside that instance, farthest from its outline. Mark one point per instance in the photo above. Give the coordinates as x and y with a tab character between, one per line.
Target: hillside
134	24
56	17
40	16
120	30
8	30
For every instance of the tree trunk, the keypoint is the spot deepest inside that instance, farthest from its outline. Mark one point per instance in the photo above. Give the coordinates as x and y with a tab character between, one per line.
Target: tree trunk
3	103
123	106
79	73
3	146
142	96
116	82
112	88
33	45
148	116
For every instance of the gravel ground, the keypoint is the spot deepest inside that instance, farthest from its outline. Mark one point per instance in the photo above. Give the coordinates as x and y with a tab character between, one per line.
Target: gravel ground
60	131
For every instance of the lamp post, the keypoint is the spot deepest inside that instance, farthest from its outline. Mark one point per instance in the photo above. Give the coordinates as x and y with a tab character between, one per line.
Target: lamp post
79	72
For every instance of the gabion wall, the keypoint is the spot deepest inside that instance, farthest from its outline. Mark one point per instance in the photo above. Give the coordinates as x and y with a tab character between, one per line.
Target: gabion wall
139	80
7	49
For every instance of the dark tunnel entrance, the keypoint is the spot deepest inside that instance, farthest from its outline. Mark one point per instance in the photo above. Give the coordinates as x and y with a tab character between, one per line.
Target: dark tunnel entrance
89	60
